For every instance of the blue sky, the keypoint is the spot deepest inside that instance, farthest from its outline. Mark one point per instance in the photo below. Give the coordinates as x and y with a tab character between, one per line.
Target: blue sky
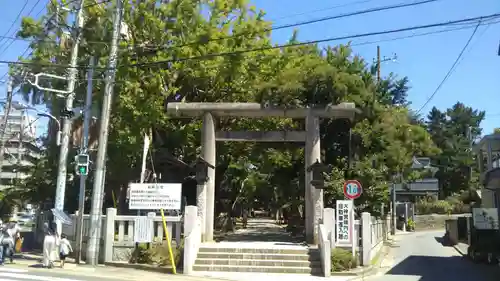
425	60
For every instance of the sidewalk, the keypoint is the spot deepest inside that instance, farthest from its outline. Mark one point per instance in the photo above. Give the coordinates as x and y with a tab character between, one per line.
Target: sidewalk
33	262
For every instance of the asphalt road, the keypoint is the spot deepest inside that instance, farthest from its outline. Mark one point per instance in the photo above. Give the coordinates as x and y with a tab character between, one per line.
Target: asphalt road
421	256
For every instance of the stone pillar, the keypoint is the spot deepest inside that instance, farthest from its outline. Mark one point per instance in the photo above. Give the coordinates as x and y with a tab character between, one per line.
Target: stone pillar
109	237
366	238
201	199
208	153
329	224
314	197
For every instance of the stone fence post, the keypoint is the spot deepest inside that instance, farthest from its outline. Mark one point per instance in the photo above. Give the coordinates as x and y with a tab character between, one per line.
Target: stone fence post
366	239
109	236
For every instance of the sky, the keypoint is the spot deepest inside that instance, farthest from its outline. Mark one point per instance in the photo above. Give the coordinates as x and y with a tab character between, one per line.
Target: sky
425	60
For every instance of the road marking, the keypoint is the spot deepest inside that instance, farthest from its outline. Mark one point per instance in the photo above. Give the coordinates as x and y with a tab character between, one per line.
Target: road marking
13	270
31	277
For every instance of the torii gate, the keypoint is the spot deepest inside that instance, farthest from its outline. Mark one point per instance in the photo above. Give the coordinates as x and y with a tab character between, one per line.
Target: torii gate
311	137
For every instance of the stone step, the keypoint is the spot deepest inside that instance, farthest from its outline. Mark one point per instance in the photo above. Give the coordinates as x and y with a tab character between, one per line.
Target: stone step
262	269
290	251
315	256
259	263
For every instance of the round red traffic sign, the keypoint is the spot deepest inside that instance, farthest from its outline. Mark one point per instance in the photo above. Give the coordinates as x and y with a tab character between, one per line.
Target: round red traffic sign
352	189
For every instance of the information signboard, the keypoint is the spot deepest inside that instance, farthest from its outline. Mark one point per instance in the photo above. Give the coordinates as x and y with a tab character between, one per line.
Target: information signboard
344	222
143	230
155	196
485	218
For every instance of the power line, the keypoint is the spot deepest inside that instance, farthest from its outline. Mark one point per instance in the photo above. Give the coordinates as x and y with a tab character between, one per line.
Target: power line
15	21
450	71
345	15
209	56
322	9
469	26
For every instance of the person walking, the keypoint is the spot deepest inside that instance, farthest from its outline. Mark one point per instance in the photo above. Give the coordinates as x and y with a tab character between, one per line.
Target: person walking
49	245
11	232
64	249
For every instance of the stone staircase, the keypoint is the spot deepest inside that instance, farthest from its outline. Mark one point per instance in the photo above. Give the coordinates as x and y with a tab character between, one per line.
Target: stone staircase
257	257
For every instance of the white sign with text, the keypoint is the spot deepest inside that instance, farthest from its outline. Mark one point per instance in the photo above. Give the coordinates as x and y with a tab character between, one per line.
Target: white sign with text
344	222
155	196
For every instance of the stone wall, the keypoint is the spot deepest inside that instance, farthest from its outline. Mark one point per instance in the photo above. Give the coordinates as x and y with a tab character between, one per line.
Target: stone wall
434	221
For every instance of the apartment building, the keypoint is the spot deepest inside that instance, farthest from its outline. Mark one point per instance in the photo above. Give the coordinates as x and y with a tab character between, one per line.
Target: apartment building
21	149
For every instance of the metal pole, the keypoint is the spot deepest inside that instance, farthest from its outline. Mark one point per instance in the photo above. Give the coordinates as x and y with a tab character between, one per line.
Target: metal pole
98	188
66	130
84	149
6	113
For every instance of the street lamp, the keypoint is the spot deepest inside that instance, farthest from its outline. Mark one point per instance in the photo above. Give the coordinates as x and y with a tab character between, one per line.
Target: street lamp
20	106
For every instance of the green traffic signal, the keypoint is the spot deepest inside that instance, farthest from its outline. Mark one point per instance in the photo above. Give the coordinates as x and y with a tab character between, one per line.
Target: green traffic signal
82	170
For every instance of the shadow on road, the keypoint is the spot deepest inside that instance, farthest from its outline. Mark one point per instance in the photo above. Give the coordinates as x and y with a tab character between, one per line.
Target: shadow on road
444	241
432	268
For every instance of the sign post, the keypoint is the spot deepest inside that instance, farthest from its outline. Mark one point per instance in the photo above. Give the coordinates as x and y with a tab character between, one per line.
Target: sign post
346	234
154	196
344	223
352	189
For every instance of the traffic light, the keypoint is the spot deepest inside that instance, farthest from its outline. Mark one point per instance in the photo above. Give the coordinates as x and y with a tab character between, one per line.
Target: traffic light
82	162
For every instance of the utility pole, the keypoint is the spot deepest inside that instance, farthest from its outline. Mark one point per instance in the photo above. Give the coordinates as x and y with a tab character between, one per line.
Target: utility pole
6	113
379	61
66	130
471	142
378	64
98	188
84	150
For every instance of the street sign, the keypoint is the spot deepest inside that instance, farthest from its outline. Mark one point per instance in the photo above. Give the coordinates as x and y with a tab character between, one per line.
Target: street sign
155	196
344	223
352	189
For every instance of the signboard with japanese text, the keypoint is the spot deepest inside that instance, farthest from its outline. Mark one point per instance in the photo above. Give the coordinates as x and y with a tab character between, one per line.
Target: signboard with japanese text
155	196
344	222
485	218
143	230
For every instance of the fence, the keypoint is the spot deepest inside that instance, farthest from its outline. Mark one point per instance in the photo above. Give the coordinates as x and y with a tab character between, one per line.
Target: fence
117	233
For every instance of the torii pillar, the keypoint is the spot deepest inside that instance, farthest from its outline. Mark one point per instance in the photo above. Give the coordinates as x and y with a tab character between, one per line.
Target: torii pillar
311	138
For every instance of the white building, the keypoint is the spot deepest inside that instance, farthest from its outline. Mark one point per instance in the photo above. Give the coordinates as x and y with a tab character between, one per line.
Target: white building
20	146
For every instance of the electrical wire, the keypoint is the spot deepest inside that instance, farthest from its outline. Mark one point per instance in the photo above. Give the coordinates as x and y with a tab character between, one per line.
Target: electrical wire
12	41
16	19
26	50
239	52
361	35
265	30
322	9
450	71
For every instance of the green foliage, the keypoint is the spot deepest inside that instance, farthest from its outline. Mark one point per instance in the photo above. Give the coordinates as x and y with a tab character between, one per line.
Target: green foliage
384	137
158	254
431	205
453	131
342	260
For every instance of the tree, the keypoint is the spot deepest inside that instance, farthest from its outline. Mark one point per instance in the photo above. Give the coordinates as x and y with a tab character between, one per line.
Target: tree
156	66
454	131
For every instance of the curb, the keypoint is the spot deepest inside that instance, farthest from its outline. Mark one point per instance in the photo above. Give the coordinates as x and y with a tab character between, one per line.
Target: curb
144	267
460	251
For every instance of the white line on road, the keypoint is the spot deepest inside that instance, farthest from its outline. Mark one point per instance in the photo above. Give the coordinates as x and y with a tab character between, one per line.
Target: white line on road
13	270
31	277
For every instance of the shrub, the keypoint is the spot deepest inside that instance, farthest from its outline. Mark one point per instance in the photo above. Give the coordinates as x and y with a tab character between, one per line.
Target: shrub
343	260
430	205
158	254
